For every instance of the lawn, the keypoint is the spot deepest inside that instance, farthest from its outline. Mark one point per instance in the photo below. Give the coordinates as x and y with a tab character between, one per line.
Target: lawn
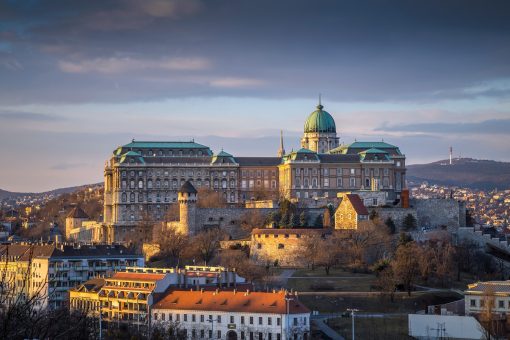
380	328
377	304
306	280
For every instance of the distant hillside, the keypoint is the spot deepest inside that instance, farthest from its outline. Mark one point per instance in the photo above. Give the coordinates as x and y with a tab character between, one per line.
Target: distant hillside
464	172
4	194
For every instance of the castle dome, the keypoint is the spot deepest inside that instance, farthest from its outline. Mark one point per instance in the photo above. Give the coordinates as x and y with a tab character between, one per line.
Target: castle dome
320	121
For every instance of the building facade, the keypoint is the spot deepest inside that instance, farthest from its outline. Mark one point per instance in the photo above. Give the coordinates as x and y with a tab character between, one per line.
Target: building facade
488	297
48	271
233	315
142	178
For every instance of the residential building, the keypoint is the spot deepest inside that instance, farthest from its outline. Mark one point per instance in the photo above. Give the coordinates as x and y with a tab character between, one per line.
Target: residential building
50	270
233	315
488	296
127	296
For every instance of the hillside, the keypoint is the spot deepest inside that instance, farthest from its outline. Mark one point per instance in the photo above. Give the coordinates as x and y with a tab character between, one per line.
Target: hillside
464	172
4	194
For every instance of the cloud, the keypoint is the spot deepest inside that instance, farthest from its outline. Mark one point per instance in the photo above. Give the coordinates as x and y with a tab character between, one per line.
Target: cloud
28	116
232	82
123	65
67	166
491	126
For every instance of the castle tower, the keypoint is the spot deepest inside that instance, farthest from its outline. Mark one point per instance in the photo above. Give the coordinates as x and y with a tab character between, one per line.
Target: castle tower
320	131
281	151
74	219
187	197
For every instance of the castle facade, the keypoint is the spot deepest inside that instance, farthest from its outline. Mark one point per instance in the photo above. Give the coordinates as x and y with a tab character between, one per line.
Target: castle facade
142	178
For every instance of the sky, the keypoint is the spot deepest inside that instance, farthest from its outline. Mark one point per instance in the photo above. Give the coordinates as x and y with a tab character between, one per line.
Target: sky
78	78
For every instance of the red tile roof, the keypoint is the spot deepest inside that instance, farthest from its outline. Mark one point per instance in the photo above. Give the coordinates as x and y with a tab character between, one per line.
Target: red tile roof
137	276
230	301
357	204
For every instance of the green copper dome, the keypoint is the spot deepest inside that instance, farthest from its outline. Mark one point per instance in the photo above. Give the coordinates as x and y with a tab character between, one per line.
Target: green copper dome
320	121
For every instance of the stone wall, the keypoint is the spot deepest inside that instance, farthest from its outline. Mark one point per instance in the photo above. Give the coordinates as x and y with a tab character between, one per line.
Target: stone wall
435	212
282	246
396	214
428	213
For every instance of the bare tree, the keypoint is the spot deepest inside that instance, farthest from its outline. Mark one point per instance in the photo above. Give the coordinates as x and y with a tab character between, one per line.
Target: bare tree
406	265
208	198
172	244
205	244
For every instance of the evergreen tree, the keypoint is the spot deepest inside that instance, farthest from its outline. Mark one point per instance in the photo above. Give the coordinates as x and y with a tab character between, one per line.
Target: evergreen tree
318	222
409	222
303	219
294	220
391	225
404	238
285	221
373	215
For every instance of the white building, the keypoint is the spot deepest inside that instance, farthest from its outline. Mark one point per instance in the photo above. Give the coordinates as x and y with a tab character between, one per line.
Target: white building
233	315
431	326
489	295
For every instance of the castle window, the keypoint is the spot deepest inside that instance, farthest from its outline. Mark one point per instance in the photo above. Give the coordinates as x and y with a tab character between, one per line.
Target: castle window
339	172
132	197
123	184
140	184
326	182
215	184
158	183
124	197
273	184
367	182
132	184
386	171
352	182
232	183
224	184
398	163
123	174
353	171
326	172
280	246
275	235
339	183
149	184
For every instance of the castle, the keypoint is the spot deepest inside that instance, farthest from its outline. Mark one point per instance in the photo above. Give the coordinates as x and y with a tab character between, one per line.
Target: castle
142	178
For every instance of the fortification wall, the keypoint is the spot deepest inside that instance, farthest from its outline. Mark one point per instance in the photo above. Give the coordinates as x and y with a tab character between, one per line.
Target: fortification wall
396	214
435	212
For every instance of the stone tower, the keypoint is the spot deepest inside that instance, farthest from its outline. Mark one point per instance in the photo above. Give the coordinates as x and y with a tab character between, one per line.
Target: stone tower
74	219
320	131
187	197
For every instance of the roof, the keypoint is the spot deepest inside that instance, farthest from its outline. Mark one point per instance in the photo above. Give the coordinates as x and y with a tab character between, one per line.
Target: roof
489	287
188	188
357	204
77	212
26	252
144	277
320	121
165	145
231	301
97	251
92	285
338	158
258	161
373	150
369	145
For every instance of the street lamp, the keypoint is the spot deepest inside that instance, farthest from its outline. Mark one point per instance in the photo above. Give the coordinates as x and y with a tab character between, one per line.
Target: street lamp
352	310
287	299
211	320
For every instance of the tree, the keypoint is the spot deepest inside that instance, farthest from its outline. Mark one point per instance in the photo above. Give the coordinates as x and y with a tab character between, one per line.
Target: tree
172	244
303	219
309	249
405	265
205	244
409	222
386	280
294	220
251	219
373	215
208	198
326	220
328	253
391	225
318	222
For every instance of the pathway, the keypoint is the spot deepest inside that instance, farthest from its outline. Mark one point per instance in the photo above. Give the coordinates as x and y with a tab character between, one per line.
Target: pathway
330	332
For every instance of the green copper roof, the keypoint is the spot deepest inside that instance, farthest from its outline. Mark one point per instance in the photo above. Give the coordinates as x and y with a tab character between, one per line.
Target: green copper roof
135	156
320	121
223	154
373	150
369	145
164	145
